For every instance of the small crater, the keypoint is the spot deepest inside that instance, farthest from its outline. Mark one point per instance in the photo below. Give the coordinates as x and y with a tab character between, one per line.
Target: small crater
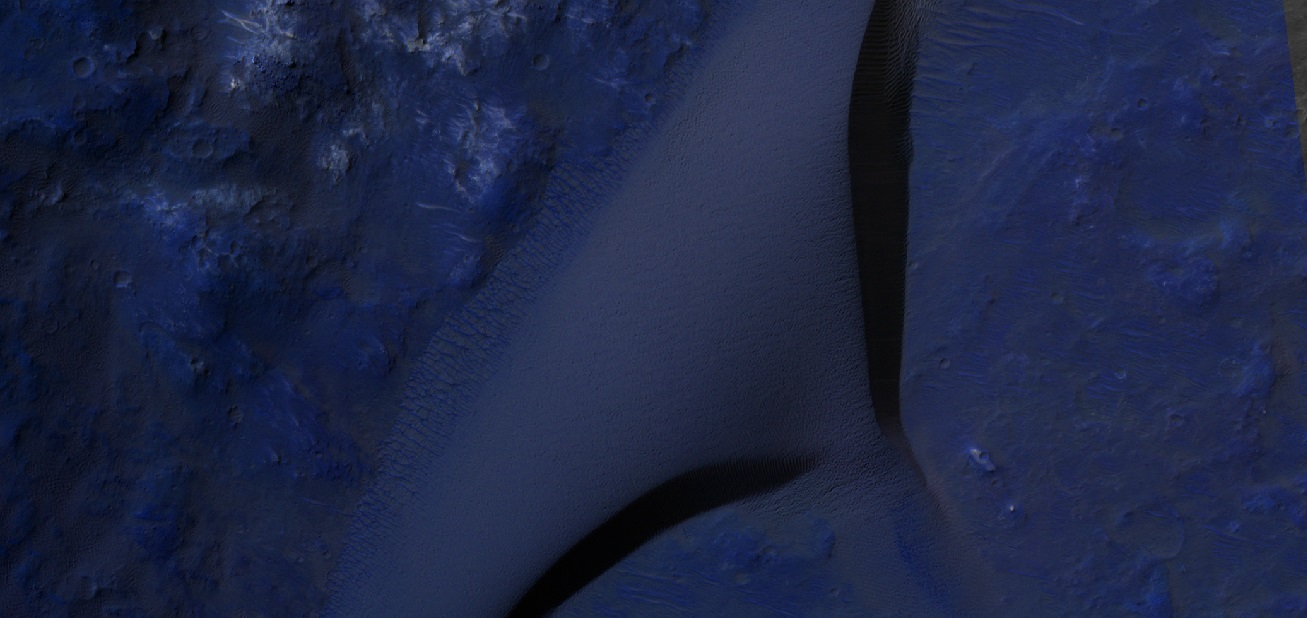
202	148
540	62
83	67
1156	530
122	279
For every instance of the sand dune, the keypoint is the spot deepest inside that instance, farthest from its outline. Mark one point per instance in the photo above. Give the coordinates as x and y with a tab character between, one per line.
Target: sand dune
711	314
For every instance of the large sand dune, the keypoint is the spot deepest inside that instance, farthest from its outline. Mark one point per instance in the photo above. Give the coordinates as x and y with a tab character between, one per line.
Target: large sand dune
711	314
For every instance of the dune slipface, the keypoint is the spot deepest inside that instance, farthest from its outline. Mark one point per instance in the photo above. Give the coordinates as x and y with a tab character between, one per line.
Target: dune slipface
709	314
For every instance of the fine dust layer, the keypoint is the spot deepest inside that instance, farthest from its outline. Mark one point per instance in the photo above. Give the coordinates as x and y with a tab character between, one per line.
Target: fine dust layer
712	313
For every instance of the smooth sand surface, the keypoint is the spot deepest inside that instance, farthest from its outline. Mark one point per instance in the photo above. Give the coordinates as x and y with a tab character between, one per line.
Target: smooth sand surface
713	313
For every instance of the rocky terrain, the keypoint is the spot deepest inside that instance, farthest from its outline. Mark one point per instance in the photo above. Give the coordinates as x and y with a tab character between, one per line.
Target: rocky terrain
226	227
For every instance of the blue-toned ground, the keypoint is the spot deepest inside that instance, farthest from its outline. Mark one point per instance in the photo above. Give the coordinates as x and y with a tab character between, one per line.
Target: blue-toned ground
1105	325
226	227
1106	298
720	565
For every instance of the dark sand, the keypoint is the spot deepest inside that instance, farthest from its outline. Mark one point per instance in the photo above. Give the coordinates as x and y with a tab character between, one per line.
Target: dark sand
712	314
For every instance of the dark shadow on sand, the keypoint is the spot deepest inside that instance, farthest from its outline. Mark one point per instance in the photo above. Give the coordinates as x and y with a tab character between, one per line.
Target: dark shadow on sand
880	152
667	505
879	156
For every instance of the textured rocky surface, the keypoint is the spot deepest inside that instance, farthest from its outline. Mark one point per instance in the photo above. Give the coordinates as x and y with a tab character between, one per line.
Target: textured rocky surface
720	565
1104	364
226	229
229	229
1105	333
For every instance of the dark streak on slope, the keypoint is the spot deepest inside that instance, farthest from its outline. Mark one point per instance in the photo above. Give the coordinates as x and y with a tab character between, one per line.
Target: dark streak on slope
667	505
880	151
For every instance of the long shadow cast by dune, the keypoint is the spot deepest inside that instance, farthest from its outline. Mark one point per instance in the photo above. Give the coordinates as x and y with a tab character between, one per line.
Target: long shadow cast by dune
710	314
880	153
663	507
